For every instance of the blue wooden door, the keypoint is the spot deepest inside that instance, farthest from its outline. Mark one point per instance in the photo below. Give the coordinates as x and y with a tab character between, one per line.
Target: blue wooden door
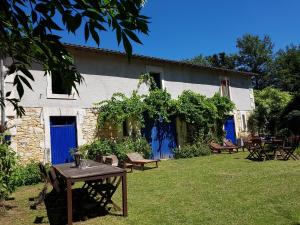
162	138
63	138
230	129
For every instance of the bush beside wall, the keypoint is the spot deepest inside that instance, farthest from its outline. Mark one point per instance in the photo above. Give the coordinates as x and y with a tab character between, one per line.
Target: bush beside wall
119	147
194	150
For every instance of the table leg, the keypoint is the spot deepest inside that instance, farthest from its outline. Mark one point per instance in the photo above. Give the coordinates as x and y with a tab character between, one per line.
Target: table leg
69	202
124	194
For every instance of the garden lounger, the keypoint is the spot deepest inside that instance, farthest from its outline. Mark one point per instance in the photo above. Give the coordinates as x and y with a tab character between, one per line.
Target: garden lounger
219	148
137	159
114	161
228	143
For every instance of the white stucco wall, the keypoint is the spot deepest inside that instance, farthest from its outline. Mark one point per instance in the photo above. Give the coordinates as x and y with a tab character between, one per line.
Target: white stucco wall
106	74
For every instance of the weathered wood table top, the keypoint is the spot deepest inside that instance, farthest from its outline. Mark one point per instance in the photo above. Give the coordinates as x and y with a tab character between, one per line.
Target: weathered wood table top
68	170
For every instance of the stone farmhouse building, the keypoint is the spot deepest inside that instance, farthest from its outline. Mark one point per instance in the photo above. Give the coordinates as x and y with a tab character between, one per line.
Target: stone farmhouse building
56	120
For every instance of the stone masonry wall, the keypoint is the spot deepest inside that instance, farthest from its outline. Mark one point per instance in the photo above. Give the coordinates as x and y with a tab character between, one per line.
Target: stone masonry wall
29	139
88	125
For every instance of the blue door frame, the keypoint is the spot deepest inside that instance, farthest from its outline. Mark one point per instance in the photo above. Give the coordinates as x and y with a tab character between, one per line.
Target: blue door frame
161	136
229	127
63	138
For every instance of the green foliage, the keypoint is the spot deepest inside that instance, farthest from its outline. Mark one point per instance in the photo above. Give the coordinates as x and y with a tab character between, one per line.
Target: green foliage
148	80
120	108
8	165
204	115
199	148
119	147
29	32
199	60
270	103
28	174
128	145
255	55
222	60
97	147
197	110
290	117
224	108
159	105
286	74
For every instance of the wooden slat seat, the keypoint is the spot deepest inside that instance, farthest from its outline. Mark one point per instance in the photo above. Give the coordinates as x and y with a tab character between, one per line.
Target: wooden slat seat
136	158
219	148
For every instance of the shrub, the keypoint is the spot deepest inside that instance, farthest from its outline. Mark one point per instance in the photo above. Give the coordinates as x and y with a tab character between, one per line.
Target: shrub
129	144
97	147
199	148
117	147
8	164
28	174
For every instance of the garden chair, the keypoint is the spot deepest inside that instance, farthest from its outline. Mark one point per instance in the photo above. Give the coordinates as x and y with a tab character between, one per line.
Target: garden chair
114	161
256	150
41	196
289	147
214	147
136	158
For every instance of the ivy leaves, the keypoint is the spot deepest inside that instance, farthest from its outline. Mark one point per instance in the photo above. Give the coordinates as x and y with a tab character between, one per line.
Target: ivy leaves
120	108
29	33
205	114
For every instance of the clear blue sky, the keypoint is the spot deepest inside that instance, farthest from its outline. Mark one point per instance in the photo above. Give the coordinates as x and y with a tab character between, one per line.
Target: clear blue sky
182	29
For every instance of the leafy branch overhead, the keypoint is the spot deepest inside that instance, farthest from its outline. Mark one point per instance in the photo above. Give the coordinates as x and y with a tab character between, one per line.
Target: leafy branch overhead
29	33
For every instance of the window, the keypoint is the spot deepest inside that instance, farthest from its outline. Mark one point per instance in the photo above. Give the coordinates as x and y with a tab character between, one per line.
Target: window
56	89
225	88
244	122
125	129
58	86
157	79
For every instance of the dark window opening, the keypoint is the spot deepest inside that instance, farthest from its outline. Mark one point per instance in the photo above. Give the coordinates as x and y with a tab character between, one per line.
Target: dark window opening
157	79
62	120
125	130
58	86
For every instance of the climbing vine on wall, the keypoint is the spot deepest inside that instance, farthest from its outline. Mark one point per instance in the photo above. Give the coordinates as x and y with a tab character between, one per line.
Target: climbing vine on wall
206	115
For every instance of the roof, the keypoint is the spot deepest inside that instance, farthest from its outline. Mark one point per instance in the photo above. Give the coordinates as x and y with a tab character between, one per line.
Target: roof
155	59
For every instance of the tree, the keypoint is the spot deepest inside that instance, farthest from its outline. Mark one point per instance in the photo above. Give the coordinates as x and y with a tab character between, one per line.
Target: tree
255	55
286	75
290	117
270	103
222	60
199	60
29	33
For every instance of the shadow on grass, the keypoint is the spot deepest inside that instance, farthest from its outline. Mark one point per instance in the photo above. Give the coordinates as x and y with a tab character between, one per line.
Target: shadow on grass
84	207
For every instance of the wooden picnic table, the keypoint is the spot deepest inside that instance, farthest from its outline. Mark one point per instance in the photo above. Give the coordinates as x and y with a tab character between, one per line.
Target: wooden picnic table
94	171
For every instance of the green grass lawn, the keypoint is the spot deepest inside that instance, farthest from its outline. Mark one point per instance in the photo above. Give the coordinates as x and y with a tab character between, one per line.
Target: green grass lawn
218	189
